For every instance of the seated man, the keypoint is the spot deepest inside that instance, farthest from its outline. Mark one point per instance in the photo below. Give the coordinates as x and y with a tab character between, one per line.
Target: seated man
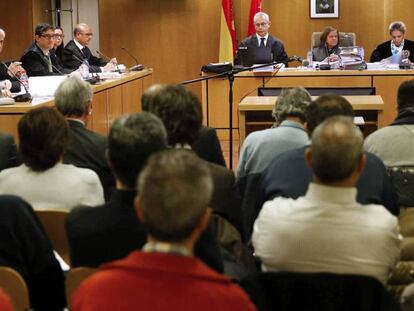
111	231
289	176
206	145
76	52
174	192
25	247
261	39
327	230
261	147
73	98
37	59
180	110
10	69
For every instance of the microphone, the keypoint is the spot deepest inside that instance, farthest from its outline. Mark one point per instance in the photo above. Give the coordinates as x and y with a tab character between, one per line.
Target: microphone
54	67
106	58
22	97
405	62
295	58
305	63
84	62
95	78
136	67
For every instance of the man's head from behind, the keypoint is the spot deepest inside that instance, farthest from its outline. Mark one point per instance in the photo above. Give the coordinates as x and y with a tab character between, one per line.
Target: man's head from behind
336	152
180	111
73	98
148	97
291	103
132	139
405	96
174	192
326	106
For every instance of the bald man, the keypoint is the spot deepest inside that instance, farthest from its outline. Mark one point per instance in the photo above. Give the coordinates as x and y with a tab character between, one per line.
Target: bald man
7	71
77	52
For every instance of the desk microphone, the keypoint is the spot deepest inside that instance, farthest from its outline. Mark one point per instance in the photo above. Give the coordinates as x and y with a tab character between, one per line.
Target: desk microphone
137	66
106	58
95	78
22	97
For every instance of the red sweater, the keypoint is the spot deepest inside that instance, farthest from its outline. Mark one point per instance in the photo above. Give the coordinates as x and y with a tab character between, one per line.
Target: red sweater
158	281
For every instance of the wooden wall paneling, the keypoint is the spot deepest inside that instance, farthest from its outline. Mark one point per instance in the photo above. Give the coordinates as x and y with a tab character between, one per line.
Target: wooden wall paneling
8	124
39	14
19	28
98	121
399	10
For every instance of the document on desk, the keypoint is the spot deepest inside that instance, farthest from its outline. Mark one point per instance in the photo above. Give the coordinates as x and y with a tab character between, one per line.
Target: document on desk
44	86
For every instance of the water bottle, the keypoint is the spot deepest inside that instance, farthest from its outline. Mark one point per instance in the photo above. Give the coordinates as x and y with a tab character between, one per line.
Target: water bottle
24	79
309	57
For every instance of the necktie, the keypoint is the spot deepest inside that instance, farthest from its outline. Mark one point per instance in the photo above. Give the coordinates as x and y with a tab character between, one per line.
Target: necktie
85	55
49	63
262	42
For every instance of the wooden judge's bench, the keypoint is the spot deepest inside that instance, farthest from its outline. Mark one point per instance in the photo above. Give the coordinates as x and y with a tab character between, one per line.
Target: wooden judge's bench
111	99
216	105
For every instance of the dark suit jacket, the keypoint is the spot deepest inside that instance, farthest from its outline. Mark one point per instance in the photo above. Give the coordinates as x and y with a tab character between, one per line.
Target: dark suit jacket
207	146
384	50
289	176
35	65
4	75
25	247
8	151
278	50
109	232
87	150
69	61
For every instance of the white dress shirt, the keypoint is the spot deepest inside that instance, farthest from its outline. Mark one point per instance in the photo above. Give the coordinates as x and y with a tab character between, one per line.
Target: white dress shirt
327	231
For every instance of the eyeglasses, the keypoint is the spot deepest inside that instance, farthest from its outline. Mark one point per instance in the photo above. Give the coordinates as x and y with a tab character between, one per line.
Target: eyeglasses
48	36
261	24
89	34
59	36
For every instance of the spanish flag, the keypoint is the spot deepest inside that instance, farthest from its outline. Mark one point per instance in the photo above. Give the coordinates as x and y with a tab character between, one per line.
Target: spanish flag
255	7
227	32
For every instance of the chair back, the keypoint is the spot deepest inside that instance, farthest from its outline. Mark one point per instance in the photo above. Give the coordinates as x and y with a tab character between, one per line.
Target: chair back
74	278
345	39
53	221
402	178
15	286
317	291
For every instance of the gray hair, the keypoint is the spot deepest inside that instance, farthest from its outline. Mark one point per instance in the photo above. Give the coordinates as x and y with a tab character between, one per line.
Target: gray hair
398	25
72	97
261	14
337	147
148	97
175	189
291	102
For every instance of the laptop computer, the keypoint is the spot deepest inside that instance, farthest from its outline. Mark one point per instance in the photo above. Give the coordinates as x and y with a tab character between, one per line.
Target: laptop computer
250	55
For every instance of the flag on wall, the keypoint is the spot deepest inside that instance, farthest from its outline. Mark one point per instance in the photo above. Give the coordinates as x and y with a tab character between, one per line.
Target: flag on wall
255	6
227	32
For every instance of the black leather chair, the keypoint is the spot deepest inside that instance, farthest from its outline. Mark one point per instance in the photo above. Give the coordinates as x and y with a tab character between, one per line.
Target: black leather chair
317	291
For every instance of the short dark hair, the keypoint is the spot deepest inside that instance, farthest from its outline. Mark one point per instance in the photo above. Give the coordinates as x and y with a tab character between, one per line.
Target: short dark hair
175	189
180	110
42	28
405	94
325	34
326	106
132	139
337	147
44	136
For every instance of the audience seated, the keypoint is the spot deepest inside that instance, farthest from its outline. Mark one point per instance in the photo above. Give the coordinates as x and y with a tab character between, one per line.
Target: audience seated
8	151
206	145
174	192
111	231
289	176
327	230
180	111
73	98
394	144
25	248
261	147
42	180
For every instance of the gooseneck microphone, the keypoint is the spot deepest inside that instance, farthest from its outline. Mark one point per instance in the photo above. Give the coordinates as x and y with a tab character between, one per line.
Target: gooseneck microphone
137	66
92	70
105	58
94	79
22	97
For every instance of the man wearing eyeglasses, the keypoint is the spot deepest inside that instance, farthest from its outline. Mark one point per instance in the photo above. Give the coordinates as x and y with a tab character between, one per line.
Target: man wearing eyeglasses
76	52
260	44
38	60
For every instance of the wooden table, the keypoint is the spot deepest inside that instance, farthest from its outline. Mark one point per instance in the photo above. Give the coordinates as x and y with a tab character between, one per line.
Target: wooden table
111	99
215	91
255	112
